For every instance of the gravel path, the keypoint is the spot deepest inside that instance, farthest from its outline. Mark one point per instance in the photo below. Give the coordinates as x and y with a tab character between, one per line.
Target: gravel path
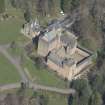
25	78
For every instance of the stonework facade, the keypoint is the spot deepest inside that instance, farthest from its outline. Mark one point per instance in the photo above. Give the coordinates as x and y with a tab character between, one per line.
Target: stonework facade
31	29
60	49
63	54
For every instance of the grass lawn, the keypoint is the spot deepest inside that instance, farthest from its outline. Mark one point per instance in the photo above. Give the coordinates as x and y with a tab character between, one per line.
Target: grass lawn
38	75
54	98
10	31
43	76
16	52
8	73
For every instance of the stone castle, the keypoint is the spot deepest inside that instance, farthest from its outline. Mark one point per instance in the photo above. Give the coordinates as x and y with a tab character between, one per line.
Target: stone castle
62	54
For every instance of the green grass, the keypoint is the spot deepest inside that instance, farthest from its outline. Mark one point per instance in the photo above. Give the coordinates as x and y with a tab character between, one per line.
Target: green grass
10	31
43	76
8	73
57	100
17	52
54	98
39	75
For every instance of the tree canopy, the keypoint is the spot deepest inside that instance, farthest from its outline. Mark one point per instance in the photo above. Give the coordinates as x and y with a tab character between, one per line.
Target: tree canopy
83	92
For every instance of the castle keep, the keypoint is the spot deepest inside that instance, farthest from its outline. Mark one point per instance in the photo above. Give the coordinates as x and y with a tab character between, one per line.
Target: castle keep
63	54
60	49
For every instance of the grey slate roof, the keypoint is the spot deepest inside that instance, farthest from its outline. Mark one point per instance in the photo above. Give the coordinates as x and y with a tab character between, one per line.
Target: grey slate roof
69	62
68	40
55	58
60	61
50	35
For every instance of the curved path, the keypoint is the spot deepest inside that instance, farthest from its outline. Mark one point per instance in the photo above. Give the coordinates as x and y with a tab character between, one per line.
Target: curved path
9	86
51	89
14	62
25	78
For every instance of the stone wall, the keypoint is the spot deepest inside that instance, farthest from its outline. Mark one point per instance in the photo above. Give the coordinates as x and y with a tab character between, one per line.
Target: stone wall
86	62
42	47
54	44
70	72
81	52
65	72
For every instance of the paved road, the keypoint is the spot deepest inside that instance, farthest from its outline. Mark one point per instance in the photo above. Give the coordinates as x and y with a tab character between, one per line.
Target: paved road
25	78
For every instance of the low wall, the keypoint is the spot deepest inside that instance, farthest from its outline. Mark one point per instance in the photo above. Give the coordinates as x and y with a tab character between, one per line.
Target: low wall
87	58
85	50
87	61
60	71
81	52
